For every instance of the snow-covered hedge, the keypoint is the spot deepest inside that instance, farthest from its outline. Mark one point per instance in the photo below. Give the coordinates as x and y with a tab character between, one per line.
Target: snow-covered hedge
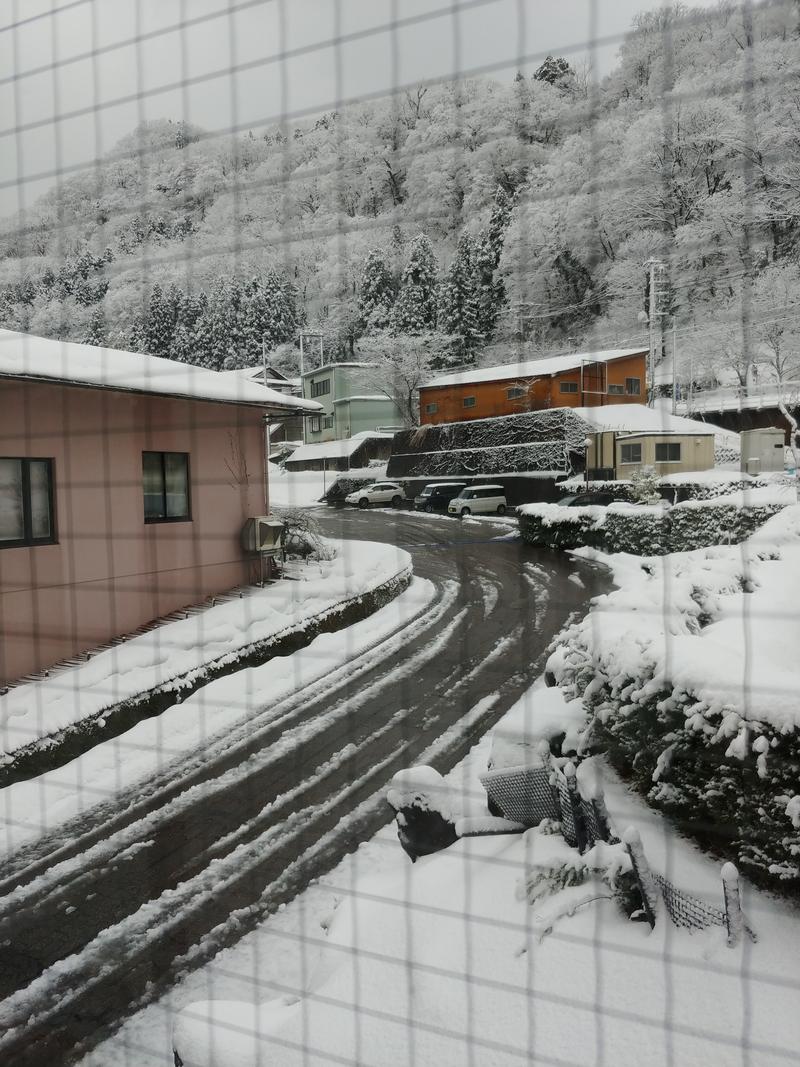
656	529
688	675
642	530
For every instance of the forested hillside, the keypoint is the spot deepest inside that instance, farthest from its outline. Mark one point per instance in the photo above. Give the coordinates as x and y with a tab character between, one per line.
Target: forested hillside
471	213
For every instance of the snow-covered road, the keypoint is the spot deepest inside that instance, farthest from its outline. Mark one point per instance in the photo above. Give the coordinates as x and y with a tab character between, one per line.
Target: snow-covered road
104	912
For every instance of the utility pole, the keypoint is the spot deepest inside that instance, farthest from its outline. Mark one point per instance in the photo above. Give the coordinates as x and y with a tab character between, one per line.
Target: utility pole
674	370
655	311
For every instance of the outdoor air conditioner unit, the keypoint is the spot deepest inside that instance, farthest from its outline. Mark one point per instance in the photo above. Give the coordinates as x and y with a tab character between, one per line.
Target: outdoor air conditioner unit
263	535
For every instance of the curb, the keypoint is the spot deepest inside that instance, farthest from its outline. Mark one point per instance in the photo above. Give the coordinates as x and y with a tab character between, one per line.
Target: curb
49	753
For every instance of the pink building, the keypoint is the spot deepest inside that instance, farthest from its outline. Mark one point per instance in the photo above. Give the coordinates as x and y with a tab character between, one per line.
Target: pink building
124	484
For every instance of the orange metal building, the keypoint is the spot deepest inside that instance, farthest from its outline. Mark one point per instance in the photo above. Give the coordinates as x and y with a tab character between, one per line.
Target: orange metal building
587	379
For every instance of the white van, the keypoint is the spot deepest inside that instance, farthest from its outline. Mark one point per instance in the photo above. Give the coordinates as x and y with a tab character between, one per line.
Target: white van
479	500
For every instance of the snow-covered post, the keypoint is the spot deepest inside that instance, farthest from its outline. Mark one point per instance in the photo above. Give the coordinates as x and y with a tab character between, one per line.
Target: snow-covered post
642	872
794	440
581	832
734	919
602	816
422	802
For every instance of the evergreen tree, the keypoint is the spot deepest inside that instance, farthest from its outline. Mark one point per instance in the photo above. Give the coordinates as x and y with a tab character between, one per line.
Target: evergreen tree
490	292
159	324
458	311
96	333
415	309
377	293
553	70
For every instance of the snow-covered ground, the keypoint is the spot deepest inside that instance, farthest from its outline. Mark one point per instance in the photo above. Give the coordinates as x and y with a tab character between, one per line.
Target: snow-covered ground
303	489
446	963
173	651
742	663
40	805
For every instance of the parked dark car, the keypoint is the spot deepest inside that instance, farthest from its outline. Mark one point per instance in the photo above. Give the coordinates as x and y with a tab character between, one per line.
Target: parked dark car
437	495
582	500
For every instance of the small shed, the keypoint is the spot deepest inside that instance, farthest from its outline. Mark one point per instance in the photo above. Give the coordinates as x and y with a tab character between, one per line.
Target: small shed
354	452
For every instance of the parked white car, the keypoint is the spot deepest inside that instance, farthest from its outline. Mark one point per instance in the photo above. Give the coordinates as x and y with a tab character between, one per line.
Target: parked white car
377	493
479	500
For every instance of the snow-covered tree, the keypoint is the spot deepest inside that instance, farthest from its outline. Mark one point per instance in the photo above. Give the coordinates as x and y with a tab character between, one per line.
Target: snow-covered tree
404	363
376	293
553	70
415	309
458	310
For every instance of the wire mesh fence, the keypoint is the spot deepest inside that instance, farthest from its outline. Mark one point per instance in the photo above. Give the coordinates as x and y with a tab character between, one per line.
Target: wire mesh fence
418	261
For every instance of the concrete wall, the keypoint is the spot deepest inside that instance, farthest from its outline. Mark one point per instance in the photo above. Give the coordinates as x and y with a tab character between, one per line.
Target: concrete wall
110	572
492	398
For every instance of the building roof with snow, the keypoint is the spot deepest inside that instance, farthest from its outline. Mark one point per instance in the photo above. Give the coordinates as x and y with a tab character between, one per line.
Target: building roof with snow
532	368
338	363
636	418
334	449
24	356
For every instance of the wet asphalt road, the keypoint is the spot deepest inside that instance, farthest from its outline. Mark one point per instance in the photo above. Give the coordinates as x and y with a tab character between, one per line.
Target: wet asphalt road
277	788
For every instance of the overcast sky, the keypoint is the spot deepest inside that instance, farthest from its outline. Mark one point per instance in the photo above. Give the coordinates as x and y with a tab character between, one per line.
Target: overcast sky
76	75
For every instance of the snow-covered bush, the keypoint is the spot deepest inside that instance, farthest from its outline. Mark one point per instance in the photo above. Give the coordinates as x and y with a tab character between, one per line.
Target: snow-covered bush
652	530
699	524
694	707
644	486
638	530
552	526
303	538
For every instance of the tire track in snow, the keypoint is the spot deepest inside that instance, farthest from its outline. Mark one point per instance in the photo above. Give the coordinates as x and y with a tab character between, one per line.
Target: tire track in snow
41	857
22	907
99	983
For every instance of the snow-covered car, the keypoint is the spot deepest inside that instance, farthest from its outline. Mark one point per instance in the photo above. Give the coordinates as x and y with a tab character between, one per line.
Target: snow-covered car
377	493
582	500
479	500
437	495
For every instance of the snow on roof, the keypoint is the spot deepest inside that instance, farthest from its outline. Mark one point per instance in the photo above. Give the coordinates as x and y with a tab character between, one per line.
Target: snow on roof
68	362
372	396
327	450
532	368
636	418
332	366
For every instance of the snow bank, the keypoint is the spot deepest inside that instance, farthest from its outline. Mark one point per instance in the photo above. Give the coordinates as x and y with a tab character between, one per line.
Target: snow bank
447	962
541	713
690	671
175	650
108	770
302	489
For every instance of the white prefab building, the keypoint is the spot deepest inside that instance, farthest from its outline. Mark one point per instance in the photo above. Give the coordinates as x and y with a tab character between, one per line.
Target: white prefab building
762	450
627	437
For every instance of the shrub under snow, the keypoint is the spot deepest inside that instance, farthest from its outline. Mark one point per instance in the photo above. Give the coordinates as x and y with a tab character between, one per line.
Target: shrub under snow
688	675
654	529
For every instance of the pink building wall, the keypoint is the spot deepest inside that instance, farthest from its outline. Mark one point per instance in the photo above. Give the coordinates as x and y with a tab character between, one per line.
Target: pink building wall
110	572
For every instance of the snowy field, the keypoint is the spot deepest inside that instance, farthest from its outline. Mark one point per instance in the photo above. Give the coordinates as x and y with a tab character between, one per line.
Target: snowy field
38	709
444	962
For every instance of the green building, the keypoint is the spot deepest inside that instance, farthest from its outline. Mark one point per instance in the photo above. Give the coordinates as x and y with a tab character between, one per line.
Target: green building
355	398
